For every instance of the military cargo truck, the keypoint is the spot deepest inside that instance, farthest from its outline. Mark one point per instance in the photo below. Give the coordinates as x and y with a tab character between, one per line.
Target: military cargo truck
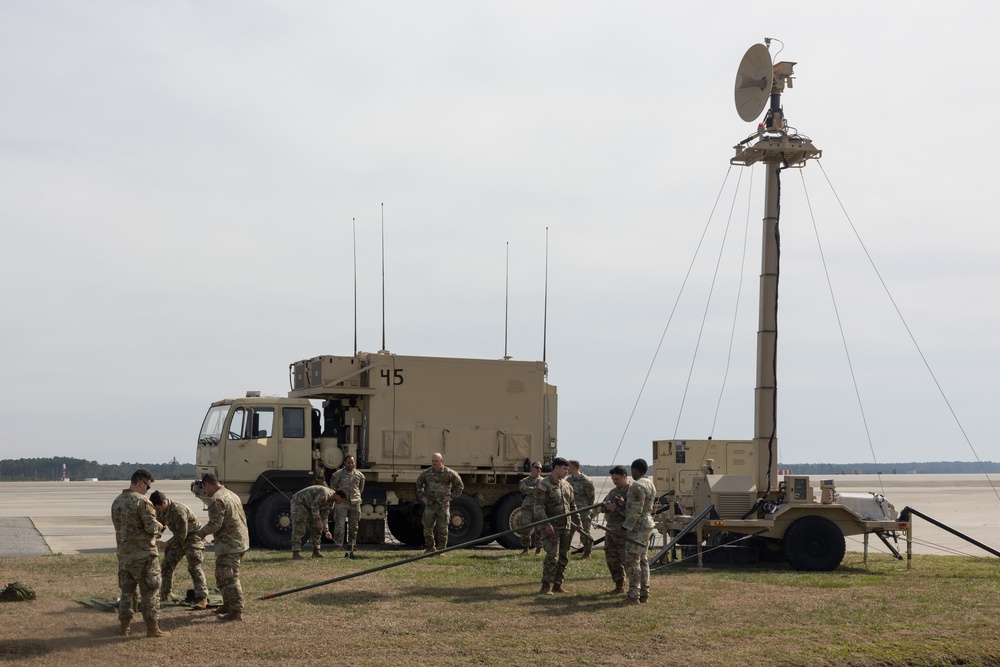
489	419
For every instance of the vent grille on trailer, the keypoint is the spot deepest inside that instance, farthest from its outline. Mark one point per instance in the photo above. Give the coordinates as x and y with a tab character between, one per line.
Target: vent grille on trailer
732	506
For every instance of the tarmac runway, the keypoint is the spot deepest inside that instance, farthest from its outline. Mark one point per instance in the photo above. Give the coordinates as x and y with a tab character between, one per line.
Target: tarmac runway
39	518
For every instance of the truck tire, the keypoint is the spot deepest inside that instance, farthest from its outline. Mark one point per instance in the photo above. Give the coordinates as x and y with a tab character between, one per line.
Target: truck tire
273	522
466	520
506	515
405	526
814	544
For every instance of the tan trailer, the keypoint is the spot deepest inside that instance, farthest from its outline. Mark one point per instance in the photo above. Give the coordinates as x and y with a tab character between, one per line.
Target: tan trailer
728	492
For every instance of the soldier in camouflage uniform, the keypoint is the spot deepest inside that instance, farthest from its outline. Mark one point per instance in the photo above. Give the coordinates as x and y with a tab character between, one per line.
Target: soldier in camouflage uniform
530	537
614	518
638	526
554	496
583	494
184	543
311	510
436	486
352	482
136	530
228	522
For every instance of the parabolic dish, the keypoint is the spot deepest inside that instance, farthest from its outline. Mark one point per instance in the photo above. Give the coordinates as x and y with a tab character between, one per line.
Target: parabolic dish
753	82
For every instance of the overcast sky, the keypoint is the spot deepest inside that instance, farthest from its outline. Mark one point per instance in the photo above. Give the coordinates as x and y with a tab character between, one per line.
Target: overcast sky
178	183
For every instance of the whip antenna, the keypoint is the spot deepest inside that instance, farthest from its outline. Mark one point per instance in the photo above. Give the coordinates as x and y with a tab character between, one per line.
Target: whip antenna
383	275
506	302
545	306
354	238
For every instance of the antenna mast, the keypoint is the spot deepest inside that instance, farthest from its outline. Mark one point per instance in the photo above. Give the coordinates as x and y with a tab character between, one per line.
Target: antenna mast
757	83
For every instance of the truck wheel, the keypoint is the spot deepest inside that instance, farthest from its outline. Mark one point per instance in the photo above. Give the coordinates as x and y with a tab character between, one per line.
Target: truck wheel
405	526
507	515
814	544
466	520
273	522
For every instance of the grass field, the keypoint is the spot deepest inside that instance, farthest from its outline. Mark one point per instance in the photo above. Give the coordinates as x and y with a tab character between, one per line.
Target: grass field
479	607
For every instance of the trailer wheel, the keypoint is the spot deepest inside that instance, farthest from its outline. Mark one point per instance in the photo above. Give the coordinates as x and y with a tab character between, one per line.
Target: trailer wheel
405	526
466	520
273	522
815	544
506	516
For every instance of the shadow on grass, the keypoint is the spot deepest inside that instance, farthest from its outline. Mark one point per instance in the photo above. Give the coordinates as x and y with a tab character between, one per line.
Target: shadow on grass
342	598
82	636
525	594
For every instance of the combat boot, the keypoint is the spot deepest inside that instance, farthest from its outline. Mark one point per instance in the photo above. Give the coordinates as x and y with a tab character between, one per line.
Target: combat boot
201	603
586	554
557	588
296	555
524	551
430	549
153	630
538	550
317	553
351	553
629	602
232	616
221	610
126	628
643	599
545	589
619	588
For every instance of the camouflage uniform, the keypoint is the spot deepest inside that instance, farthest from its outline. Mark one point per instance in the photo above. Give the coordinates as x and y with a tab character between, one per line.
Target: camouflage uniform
183	525
614	546
353	483
228	522
554	497
311	503
136	530
435	486
583	494
531	536
638	526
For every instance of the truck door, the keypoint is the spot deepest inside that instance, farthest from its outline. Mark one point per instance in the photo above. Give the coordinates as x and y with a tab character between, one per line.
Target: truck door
296	445
251	448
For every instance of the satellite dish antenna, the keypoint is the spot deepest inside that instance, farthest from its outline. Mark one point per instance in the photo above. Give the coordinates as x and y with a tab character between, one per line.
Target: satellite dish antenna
753	82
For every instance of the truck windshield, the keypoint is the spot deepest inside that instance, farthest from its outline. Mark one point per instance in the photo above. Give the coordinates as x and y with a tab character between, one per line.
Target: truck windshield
211	428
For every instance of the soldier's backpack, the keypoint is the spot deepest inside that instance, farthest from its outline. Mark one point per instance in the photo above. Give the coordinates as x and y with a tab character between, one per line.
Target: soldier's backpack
17	592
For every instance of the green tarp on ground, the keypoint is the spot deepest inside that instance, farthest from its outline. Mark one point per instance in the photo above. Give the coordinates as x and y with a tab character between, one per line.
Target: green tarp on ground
175	603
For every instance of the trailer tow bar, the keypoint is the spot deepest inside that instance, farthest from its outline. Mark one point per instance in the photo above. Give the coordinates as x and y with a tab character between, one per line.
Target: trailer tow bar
885	541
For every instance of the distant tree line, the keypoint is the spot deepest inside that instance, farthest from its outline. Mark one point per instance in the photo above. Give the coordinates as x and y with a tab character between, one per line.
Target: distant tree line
924	468
47	469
